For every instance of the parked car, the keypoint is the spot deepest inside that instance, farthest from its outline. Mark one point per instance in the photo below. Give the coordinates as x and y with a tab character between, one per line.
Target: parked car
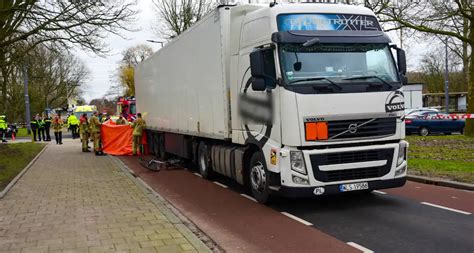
419	111
428	122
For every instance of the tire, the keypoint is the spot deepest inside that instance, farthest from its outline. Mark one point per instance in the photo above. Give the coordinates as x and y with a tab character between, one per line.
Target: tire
423	131
203	161
259	178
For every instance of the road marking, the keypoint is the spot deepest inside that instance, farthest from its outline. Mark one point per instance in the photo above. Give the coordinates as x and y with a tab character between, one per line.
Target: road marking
468	191
221	185
197	174
380	192
360	247
417	187
297	219
446	208
248	197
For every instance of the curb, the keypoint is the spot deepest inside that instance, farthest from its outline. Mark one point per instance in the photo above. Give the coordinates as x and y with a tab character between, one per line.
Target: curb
441	182
15	180
190	231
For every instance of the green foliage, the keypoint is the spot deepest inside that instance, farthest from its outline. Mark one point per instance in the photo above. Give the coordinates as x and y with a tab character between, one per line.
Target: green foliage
14	158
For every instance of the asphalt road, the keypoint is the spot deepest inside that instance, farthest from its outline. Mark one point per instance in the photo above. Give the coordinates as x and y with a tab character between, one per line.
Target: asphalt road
386	223
413	218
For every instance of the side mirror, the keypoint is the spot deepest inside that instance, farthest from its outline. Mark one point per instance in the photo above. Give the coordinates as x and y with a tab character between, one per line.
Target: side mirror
258	84
262	68
402	62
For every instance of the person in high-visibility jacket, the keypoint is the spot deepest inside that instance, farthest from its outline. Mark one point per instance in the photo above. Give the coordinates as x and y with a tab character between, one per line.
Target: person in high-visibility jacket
58	129
41	125
73	123
84	131
138	125
95	132
3	127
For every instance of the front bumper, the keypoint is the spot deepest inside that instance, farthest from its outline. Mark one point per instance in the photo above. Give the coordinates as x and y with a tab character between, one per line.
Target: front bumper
334	189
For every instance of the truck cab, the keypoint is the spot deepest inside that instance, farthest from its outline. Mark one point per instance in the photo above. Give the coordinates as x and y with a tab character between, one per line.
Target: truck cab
320	94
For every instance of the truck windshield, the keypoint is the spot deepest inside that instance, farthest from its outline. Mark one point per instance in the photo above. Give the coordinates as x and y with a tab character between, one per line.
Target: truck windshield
339	67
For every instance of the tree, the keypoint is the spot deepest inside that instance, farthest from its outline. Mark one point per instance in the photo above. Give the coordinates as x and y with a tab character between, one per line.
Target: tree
177	16
58	26
53	77
452	19
131	58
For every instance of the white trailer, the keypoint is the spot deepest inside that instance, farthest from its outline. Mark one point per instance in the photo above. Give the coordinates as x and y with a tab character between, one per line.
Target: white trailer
296	99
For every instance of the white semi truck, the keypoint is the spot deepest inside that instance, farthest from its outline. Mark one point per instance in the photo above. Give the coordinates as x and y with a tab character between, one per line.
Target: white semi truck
291	99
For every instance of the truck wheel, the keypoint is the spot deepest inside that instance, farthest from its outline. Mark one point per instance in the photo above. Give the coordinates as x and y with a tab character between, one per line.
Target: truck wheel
259	178
203	161
423	131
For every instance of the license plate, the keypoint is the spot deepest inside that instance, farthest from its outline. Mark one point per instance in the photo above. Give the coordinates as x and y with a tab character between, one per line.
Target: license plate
353	187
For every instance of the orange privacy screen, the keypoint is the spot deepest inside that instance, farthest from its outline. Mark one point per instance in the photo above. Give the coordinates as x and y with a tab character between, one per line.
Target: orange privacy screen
117	139
316	131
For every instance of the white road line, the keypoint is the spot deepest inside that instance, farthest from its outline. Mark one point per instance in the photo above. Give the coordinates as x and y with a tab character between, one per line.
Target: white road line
297	219
221	185
248	197
380	192
197	174
360	247
446	208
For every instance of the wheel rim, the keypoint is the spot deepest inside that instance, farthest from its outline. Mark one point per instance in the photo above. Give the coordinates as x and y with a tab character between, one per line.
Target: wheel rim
424	132
258	177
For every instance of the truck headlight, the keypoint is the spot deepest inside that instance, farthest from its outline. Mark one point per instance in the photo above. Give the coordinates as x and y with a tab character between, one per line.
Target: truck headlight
402	152
297	162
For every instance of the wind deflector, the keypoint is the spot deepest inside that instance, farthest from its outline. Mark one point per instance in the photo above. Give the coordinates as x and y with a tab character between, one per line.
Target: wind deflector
331	36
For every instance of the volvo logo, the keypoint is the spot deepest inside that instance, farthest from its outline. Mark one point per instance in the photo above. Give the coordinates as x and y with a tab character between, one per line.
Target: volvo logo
352	128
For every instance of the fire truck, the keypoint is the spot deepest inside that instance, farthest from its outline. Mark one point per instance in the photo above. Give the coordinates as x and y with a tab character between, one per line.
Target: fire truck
127	107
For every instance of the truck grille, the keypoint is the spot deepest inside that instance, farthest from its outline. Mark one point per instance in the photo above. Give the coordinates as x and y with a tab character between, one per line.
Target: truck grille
351	157
377	127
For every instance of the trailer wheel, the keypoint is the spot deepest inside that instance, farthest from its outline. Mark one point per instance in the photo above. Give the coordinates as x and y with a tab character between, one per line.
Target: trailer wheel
203	161
259	178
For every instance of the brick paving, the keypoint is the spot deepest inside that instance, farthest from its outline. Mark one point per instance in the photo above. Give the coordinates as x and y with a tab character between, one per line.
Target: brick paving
70	201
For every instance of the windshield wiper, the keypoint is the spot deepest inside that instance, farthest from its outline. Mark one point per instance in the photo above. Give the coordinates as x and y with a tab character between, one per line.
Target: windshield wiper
368	77
318	79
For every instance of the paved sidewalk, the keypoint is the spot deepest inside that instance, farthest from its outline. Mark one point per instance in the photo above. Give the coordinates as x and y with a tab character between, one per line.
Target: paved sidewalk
70	201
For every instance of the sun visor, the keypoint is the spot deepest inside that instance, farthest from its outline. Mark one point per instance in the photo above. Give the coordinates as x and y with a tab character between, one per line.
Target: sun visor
344	36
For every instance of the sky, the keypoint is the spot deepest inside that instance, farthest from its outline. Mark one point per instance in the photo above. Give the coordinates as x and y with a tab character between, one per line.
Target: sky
103	70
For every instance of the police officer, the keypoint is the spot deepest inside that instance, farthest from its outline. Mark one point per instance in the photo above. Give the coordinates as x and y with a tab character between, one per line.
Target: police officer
34	127
47	127
3	127
73	123
84	131
95	132
41	124
138	126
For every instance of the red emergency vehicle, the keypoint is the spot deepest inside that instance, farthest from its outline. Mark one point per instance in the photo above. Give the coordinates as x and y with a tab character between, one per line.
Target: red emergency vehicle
127	107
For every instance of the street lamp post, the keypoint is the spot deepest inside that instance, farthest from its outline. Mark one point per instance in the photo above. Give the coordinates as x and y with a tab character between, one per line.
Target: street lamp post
155	41
27	99
446	80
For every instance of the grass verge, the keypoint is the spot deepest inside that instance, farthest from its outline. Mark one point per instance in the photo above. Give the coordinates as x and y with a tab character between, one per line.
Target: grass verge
448	156
22	132
14	158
